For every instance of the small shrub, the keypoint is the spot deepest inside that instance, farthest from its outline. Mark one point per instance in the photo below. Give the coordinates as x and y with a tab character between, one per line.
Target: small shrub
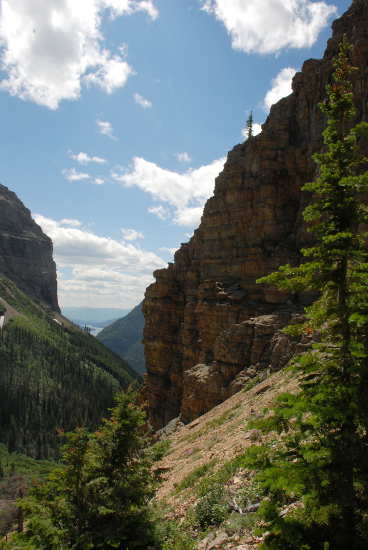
160	449
248	495
212	509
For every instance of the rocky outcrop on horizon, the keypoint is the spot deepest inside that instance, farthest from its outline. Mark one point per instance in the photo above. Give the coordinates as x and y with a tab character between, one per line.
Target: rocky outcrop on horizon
25	251
209	328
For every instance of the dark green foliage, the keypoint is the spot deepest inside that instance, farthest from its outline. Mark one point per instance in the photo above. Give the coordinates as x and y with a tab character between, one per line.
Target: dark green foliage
100	498
249	128
316	476
158	450
124	337
52	378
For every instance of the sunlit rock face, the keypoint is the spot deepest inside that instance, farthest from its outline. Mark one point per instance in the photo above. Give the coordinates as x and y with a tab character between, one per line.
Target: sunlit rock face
208	326
25	251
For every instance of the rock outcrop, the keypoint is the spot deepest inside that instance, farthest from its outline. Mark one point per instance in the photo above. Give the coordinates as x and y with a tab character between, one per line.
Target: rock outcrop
25	251
207	322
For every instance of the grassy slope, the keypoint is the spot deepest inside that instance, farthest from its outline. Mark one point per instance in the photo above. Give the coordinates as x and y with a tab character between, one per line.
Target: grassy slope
204	466
124	337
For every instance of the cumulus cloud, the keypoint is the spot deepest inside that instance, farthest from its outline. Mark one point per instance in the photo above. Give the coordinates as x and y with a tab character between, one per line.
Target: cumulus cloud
183	157
281	87
131	234
257	129
49	49
184	194
71	174
84	158
142	101
105	272
105	128
267	26
98	181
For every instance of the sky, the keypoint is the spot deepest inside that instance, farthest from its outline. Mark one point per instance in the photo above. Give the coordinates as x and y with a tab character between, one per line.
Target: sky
117	115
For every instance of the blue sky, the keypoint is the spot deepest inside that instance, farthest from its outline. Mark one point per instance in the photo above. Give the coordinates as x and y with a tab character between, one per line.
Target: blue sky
116	116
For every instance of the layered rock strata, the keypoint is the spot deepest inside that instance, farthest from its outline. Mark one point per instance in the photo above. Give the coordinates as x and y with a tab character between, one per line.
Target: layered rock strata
208	325
25	251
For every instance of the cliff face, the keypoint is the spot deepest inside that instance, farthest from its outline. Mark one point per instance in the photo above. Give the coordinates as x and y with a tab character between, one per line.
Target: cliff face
25	251
208	326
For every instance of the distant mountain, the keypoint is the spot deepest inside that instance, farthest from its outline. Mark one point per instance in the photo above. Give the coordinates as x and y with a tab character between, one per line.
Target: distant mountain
124	337
93	315
53	376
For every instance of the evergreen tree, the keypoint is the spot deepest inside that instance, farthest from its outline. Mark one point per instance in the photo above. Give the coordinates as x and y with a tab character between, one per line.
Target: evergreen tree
99	500
249	127
316	476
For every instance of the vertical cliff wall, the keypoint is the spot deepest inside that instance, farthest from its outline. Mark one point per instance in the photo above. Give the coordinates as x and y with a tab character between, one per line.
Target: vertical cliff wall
208	326
25	251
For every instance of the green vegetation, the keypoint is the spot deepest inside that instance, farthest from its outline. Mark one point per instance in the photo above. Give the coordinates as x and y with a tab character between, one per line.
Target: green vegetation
158	450
221	476
249	125
316	476
22	465
212	508
124	337
52	377
191	479
99	499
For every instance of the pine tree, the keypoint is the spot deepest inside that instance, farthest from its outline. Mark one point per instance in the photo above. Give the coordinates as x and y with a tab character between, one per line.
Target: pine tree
316	476
99	499
249	127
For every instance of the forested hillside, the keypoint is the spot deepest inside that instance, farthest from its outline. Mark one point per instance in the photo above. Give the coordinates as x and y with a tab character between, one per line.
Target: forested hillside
53	376
124	337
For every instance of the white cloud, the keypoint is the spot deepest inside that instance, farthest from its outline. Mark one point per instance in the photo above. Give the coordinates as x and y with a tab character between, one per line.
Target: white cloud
160	211
119	7
49	48
105	128
267	26
112	73
84	158
71	222
186	193
281	87
104	272
257	129
98	181
142	101
71	174
171	251
183	157
131	234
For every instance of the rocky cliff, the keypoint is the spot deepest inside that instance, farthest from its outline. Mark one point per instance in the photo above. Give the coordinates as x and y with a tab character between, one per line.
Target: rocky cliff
25	251
209	327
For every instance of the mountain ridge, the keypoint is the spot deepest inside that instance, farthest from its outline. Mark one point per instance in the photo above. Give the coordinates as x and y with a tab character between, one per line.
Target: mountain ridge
124	337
